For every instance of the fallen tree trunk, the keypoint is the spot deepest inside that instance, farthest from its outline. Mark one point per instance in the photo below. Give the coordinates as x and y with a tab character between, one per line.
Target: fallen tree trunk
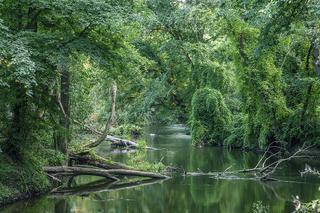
74	171
135	173
121	142
67	170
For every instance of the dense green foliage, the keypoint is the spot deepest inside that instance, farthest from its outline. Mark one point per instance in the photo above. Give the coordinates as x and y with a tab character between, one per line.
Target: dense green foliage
261	56
241	73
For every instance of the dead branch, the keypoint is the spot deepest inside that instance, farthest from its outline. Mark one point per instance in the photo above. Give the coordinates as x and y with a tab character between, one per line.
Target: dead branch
271	168
309	171
263	169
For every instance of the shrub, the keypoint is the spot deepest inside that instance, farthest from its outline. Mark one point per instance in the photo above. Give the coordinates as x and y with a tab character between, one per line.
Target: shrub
129	130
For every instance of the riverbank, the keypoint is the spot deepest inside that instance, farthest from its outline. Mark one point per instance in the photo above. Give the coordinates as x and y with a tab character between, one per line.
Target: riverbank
9	197
21	181
188	193
172	147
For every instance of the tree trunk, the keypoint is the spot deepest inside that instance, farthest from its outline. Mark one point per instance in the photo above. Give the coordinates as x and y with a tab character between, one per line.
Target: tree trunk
110	120
18	132
113	118
63	136
316	60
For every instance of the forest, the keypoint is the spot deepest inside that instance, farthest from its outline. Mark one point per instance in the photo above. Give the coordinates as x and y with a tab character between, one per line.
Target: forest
140	103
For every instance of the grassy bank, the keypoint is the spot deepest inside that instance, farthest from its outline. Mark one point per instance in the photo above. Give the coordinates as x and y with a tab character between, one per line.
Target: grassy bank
20	181
24	179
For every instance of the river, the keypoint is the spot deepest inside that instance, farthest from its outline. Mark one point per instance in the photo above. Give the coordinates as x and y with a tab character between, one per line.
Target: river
183	194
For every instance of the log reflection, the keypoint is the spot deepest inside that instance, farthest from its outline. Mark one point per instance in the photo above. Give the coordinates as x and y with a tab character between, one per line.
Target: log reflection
100	186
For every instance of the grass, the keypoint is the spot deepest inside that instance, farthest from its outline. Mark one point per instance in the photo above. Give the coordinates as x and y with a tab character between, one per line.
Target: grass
138	161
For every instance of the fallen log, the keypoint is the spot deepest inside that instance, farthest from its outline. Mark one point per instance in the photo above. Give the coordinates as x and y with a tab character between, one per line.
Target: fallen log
98	162
68	170
74	171
136	173
121	142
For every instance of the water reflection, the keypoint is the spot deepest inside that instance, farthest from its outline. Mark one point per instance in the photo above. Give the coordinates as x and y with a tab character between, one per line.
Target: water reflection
181	194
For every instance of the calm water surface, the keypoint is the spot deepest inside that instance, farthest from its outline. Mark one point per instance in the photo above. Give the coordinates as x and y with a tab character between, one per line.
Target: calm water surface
181	194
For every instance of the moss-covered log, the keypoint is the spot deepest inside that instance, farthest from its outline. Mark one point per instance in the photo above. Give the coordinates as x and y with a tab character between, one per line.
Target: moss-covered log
74	170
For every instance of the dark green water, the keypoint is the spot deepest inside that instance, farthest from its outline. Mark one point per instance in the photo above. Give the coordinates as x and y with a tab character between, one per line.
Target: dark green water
183	194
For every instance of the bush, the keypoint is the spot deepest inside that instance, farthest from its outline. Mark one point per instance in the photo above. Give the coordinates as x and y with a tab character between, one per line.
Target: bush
210	119
129	130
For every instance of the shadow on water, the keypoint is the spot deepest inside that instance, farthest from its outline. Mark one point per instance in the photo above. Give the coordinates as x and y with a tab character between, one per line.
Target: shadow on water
180	194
